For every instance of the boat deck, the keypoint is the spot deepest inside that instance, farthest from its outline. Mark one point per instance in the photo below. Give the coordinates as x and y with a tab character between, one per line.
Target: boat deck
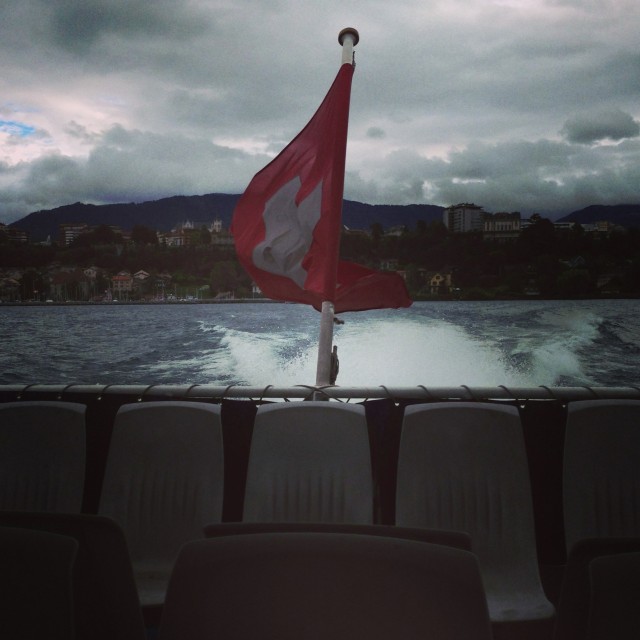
543	413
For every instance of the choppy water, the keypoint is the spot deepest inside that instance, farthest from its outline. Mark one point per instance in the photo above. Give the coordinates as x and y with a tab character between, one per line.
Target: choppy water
523	343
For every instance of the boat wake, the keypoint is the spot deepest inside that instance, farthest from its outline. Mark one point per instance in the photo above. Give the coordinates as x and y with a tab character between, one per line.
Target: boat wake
516	344
412	352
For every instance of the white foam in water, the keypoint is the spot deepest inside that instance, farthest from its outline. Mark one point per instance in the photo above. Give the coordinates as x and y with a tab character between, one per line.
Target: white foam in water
410	353
372	353
556	360
557	356
257	359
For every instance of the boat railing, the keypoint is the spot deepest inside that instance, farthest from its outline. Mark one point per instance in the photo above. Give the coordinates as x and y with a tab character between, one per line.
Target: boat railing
306	392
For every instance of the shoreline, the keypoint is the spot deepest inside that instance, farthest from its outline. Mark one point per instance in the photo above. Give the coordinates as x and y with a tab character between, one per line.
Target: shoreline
90	303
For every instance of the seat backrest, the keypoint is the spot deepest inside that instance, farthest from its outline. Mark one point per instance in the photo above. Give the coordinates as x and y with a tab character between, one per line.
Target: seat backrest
36	597
312	586
615	594
463	467
106	604
601	476
164	476
575	595
42	456
309	461
163	482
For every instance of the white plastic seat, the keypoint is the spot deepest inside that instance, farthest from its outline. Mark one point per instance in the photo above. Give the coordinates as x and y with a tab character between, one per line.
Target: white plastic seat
315	586
309	462
463	467
163	482
42	456
601	476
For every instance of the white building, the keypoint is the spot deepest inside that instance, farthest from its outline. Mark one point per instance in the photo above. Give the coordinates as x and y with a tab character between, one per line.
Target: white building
501	227
463	217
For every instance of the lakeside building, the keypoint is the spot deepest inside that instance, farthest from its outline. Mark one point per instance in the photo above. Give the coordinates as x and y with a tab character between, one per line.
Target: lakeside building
501	226
68	232
186	233
179	236
463	217
18	236
121	283
92	273
438	282
506	226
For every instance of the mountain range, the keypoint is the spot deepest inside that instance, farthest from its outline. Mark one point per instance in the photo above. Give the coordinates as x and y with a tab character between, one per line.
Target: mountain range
624	215
166	213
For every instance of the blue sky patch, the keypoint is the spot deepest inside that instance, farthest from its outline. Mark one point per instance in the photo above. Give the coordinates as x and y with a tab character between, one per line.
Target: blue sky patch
14	128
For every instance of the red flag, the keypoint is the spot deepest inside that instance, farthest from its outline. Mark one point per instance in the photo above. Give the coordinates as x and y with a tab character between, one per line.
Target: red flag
286	225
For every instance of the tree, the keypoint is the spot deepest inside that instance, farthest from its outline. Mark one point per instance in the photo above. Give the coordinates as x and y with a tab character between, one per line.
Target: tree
376	232
225	276
631	278
141	235
32	285
414	279
204	237
103	235
547	270
538	239
574	282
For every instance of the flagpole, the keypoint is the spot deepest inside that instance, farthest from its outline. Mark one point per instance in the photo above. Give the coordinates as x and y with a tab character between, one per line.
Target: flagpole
327	370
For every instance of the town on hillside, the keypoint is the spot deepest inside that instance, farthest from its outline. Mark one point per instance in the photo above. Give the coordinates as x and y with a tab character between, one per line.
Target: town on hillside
470	254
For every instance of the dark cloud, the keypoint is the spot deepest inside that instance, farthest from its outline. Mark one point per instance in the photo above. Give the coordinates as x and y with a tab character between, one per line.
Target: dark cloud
81	133
545	177
136	99
604	125
375	132
128	166
78	26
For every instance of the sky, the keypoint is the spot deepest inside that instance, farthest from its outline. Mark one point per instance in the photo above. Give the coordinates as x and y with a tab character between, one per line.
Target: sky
514	105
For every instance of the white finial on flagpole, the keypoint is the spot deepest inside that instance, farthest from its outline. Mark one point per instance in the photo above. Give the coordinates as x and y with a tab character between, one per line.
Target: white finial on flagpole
348	38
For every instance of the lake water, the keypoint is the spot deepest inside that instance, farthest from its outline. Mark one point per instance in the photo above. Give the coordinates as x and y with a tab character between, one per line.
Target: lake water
519	343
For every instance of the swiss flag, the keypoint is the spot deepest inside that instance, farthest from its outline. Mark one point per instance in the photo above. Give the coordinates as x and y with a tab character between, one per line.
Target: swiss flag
286	225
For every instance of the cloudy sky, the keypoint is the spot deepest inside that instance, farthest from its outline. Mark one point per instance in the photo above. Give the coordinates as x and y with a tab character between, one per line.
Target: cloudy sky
528	105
